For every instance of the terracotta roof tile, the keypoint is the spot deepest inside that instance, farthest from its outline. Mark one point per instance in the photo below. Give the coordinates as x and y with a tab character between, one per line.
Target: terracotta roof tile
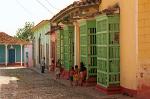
7	39
76	4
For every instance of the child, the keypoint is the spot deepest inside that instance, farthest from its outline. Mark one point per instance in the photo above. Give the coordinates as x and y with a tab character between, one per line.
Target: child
57	72
43	65
81	78
83	73
71	73
52	65
76	75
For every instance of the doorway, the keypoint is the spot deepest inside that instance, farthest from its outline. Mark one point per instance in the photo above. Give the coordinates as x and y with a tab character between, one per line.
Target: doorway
11	55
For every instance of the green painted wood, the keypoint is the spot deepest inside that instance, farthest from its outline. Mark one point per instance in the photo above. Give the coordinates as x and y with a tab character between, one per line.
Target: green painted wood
108	49
68	46
60	46
88	50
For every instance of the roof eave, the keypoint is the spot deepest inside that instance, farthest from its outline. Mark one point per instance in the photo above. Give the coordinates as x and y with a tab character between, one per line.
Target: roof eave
62	12
39	25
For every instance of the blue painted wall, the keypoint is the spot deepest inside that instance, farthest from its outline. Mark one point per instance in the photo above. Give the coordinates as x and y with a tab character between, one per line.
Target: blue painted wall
2	54
17	53
23	54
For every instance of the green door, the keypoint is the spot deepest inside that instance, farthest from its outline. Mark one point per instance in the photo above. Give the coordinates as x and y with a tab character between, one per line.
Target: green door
108	50
68	46
60	46
88	52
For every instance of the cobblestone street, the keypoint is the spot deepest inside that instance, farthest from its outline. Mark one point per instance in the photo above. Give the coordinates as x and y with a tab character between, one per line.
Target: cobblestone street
23	83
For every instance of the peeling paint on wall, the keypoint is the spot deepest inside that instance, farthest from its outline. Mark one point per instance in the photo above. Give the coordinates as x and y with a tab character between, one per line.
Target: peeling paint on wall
144	81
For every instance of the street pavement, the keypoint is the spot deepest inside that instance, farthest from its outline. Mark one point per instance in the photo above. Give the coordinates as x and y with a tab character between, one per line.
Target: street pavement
29	83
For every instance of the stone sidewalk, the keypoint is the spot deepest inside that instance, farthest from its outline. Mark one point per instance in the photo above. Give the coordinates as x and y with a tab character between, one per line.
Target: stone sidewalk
24	83
84	90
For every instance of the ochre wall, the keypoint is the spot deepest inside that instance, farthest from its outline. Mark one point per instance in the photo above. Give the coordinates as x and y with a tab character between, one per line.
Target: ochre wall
144	29
144	47
128	44
128	55
106	3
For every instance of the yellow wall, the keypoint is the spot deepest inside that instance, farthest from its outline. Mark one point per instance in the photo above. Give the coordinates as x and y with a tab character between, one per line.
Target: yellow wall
144	39
128	55
128	44
106	3
144	30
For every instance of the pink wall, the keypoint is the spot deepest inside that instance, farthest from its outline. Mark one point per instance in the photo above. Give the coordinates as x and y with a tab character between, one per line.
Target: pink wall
28	49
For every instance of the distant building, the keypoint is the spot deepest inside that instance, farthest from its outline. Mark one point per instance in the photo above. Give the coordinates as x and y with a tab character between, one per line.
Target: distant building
41	43
28	56
11	50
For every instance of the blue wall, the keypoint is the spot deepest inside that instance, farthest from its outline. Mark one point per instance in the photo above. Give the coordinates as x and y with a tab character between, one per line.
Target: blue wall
2	54
17	53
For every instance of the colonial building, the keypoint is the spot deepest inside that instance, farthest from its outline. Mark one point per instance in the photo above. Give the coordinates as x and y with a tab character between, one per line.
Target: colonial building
134	45
41	42
66	28
11	50
111	37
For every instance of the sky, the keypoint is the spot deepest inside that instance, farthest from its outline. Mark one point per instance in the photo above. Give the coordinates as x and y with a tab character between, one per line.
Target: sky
14	13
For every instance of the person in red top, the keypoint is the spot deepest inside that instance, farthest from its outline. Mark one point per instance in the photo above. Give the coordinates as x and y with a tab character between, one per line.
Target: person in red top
76	75
71	73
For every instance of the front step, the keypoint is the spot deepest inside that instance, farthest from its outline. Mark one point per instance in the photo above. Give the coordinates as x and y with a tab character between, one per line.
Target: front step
91	81
109	90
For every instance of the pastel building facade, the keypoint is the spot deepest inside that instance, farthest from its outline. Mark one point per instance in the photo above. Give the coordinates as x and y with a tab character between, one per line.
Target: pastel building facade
134	45
116	63
11	50
66	28
28	57
41	43
128	42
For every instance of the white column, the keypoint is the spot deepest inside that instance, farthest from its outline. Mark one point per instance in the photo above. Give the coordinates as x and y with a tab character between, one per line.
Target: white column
6	56
21	54
75	43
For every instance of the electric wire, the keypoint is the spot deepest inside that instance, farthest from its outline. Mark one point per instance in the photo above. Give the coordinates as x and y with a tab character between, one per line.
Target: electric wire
24	8
51	5
44	6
